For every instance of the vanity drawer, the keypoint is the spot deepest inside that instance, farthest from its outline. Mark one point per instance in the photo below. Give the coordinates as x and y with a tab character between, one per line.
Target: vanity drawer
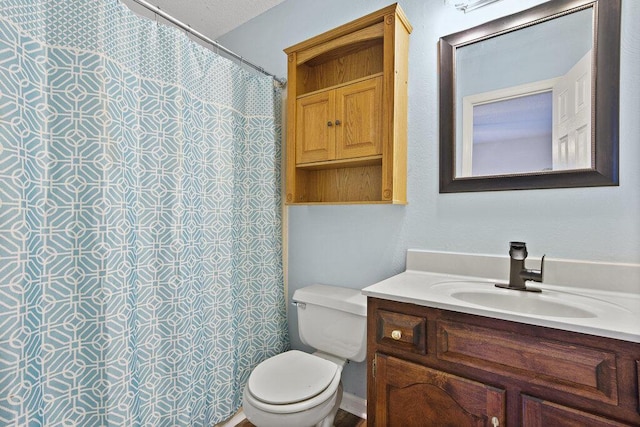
580	370
402	331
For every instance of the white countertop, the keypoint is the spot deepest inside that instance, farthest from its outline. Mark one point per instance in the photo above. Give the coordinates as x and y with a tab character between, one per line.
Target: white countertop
616	314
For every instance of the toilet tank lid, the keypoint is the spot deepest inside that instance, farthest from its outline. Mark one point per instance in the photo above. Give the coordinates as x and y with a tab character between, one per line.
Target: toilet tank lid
336	297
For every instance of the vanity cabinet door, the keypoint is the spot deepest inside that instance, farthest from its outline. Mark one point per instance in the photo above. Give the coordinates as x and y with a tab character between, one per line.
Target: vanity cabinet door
409	395
540	413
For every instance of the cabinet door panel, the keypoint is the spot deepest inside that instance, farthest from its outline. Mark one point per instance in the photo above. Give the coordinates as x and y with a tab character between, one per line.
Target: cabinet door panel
315	139
409	395
540	413
359	110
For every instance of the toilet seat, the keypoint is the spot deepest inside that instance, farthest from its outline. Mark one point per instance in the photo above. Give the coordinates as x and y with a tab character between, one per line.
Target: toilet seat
291	377
280	384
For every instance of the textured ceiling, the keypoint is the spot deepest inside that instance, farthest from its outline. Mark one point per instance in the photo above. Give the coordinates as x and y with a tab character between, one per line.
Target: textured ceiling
212	18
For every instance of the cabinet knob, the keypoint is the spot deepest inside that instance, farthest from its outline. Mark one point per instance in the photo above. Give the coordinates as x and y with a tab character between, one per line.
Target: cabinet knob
338	122
329	123
396	334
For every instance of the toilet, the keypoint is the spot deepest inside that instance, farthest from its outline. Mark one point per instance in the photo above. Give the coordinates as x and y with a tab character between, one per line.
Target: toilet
298	389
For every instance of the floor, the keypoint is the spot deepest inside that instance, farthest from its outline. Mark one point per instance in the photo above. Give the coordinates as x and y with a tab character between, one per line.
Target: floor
343	419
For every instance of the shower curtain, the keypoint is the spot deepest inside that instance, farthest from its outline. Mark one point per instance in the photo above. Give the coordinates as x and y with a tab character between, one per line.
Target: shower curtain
140	226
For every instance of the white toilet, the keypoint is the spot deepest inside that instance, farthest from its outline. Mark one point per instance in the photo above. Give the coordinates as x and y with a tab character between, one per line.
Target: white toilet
297	389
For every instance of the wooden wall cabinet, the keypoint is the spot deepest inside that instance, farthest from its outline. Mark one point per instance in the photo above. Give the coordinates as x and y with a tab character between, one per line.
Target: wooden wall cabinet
347	113
436	367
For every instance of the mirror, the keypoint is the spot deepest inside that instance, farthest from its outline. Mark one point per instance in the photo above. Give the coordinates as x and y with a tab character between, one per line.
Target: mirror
531	100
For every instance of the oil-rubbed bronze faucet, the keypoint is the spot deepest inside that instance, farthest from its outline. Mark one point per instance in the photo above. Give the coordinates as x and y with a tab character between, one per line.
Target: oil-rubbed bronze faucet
518	274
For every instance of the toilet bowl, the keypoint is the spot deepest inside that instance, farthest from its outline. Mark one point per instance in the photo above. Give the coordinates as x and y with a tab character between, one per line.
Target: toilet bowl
298	389
293	389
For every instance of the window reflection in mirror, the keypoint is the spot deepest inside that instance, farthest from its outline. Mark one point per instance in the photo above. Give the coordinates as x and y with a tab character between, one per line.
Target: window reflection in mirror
524	99
508	135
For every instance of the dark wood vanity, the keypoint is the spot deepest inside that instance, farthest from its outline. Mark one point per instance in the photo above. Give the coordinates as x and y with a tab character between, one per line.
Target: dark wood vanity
433	367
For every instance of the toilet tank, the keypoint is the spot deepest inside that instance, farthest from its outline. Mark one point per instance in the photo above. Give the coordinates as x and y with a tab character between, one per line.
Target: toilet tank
333	320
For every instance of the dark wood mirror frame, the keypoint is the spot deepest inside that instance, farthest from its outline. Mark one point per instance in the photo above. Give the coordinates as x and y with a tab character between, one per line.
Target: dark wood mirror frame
606	87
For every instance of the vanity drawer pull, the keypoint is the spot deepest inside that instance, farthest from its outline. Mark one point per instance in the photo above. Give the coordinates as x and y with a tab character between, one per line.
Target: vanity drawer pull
401	331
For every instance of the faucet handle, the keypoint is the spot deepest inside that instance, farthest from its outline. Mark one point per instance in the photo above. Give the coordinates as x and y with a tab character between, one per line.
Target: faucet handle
535	275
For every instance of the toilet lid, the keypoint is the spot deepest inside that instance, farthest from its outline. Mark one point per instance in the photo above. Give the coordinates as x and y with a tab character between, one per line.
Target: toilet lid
291	377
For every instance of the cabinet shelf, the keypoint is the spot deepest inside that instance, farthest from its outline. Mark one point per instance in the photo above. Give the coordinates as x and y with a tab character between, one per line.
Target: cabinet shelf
342	163
347	113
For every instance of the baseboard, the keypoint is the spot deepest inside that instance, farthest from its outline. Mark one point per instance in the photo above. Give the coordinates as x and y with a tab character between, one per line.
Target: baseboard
233	421
354	405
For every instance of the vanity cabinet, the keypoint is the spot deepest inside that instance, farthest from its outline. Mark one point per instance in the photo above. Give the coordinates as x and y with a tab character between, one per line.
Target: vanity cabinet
430	366
347	113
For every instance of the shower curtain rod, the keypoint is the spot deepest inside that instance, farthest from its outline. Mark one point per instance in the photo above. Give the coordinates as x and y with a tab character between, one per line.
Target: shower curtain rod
187	28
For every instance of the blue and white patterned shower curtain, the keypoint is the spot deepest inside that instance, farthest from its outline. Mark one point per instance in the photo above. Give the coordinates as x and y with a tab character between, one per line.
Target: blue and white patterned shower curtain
140	225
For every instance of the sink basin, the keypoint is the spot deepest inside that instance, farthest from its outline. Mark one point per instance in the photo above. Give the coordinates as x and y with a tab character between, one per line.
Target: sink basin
548	303
522	302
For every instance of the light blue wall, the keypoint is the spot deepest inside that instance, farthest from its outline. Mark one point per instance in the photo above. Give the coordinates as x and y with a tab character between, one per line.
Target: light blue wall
355	246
